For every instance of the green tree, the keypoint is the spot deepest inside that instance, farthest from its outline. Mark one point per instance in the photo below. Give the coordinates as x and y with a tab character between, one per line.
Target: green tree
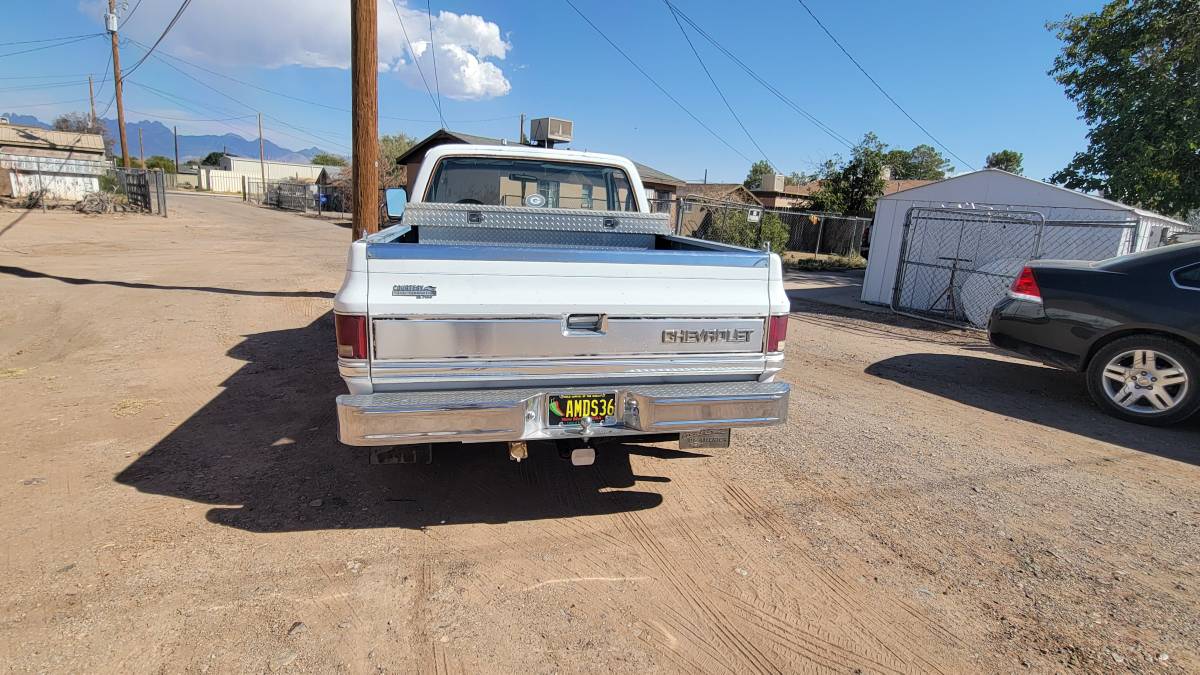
796	178
757	170
1005	160
1133	70
212	159
390	149
923	162
328	159
851	187
159	162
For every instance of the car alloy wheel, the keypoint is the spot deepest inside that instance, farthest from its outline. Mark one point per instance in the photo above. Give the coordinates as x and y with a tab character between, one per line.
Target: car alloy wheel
1145	381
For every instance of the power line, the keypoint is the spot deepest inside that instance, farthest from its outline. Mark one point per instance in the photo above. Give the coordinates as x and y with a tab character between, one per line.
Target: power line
171	24
38	105
32	87
299	99
417	62
720	93
188	119
656	84
311	135
130	14
42	77
767	85
433	55
880	87
247	105
79	38
53	39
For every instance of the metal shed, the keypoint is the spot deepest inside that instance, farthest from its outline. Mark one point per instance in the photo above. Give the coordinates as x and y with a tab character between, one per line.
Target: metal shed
950	248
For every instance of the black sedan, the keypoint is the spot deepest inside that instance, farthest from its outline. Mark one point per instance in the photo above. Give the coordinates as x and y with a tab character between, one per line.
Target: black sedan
1132	324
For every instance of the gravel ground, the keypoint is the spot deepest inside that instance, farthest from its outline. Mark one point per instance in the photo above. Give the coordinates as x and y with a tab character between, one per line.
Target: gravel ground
174	497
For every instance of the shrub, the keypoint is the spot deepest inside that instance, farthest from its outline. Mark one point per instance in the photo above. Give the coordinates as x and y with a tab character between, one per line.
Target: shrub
734	227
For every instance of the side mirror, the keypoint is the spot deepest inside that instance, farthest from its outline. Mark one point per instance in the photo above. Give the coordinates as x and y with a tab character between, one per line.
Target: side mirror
396	199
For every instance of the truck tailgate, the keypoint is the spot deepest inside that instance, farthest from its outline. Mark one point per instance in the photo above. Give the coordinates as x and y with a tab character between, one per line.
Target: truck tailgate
495	316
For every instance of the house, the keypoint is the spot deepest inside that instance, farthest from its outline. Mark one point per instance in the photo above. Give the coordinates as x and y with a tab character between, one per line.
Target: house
1032	219
703	201
66	164
661	188
775	193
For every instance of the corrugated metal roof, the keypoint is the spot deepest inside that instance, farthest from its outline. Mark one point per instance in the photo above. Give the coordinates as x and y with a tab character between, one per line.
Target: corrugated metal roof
1105	203
720	191
652	175
35	137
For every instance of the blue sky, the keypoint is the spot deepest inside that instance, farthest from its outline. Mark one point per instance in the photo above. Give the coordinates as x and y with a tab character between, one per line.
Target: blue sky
972	73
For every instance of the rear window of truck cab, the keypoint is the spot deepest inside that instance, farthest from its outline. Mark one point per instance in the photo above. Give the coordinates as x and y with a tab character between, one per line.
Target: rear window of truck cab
494	181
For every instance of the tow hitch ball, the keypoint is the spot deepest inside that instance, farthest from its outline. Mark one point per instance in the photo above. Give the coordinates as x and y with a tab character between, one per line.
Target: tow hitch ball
517	451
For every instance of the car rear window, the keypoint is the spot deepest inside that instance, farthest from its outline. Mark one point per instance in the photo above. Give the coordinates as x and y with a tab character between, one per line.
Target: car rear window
493	181
1188	277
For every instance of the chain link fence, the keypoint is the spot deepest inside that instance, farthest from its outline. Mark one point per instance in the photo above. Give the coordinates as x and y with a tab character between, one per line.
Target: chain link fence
787	230
323	200
957	263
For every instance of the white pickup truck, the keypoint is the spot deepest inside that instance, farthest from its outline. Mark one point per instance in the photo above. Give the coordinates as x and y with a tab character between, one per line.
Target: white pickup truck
530	294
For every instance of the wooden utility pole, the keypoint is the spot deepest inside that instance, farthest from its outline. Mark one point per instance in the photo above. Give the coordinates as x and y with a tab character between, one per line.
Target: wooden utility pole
175	129
111	24
364	74
141	150
92	101
262	162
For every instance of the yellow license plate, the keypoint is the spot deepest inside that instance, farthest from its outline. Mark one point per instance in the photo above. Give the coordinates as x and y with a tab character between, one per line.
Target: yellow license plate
564	409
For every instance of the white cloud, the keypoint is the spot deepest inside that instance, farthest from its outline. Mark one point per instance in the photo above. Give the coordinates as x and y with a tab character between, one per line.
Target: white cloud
316	34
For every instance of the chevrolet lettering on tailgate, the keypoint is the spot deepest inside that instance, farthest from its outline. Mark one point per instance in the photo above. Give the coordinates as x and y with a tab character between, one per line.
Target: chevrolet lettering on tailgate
716	335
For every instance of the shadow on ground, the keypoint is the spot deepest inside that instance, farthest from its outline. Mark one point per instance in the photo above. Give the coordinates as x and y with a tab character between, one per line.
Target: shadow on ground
1038	394
26	273
266	448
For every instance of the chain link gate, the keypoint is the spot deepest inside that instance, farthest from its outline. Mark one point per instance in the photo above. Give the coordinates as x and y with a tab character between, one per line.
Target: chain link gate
956	264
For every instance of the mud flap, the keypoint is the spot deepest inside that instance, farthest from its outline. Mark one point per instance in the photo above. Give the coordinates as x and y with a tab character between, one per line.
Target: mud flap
704	438
403	454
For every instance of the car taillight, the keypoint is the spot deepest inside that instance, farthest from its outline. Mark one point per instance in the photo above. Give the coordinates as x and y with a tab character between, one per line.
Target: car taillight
351	330
1025	286
776	332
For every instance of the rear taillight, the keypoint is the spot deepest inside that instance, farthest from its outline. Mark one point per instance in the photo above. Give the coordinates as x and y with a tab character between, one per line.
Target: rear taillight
1025	286
351	330
776	332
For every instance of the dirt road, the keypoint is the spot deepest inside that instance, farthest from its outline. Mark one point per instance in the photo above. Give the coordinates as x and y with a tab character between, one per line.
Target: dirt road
174	497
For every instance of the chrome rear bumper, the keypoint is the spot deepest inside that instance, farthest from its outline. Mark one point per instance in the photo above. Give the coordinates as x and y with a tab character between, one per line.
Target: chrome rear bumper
520	414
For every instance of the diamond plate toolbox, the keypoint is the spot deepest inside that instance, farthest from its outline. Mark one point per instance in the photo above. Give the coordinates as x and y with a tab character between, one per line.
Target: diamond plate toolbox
536	219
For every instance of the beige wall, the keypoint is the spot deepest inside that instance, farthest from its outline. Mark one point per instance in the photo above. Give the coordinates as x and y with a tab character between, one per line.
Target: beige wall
250	168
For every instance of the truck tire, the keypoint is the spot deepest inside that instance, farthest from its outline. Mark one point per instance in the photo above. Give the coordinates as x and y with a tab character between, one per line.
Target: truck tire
1147	379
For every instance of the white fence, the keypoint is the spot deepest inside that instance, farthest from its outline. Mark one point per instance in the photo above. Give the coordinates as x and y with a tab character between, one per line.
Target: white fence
219	180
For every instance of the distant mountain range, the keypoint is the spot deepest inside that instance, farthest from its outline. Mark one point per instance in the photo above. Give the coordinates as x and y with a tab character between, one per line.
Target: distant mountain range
158	140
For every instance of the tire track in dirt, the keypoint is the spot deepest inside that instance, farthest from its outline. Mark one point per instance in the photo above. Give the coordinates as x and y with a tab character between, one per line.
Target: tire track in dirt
873	623
685	586
795	642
